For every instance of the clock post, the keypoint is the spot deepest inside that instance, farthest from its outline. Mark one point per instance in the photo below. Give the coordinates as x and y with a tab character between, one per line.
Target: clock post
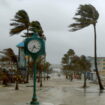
34	98
34	47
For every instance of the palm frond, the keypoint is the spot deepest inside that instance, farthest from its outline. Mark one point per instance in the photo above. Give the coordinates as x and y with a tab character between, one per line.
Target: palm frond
36	27
85	16
17	30
4	58
22	14
9	54
78	26
20	22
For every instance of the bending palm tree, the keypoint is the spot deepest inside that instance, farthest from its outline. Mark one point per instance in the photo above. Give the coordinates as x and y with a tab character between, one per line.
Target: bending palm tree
71	52
35	27
87	15
65	62
85	66
21	22
10	56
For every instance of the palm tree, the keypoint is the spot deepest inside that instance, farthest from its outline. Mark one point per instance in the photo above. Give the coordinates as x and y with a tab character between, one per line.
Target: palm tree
85	66
87	15
20	23
65	61
4	74
40	68
11	57
71	52
47	68
81	64
35	27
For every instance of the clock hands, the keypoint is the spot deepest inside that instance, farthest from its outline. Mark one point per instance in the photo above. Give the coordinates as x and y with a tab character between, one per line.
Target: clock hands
34	47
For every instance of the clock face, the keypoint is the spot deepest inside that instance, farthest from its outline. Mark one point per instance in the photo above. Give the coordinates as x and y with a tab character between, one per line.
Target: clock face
34	46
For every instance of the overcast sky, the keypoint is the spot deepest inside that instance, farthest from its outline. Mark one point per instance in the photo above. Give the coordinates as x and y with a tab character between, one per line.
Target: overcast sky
55	17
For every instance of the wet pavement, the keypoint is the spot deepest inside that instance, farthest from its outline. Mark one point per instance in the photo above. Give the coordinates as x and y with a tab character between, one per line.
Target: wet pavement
56	91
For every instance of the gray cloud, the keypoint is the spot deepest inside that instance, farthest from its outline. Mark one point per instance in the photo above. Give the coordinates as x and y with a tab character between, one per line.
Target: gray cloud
54	16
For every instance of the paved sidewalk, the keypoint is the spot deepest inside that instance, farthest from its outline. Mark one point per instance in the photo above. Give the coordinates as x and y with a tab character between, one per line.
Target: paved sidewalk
57	91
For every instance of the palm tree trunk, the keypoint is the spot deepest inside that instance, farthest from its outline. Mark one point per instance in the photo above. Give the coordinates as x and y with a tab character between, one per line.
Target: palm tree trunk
44	68
41	85
47	75
27	77
17	84
85	78
44	75
39	77
95	59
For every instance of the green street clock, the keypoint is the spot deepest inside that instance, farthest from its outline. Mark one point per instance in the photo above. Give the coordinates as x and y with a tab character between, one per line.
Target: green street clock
34	46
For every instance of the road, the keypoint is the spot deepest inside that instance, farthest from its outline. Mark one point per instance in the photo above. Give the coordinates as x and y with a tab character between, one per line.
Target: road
56	91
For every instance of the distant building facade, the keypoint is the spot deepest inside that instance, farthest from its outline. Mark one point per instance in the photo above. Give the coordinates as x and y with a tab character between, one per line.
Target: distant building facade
100	64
